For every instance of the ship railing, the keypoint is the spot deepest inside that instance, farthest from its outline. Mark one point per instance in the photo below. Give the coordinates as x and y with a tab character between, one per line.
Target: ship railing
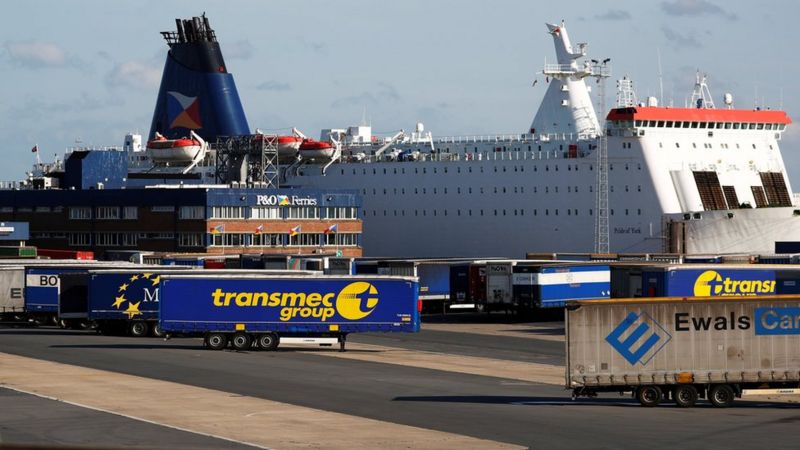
527	137
507	155
558	68
10	185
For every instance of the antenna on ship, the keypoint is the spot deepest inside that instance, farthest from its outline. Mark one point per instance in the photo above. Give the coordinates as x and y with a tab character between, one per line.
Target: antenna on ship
660	79
701	95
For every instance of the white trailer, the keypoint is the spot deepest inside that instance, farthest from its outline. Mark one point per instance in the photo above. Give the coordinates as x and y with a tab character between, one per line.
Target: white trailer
683	348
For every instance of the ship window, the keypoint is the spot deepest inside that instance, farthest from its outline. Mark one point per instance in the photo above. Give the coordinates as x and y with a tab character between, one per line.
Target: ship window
434	190
534	189
504	168
504	212
694	145
769	126
677	145
495	169
403	191
481	212
535	211
669	124
736	126
470	212
694	124
590	211
521	212
458	169
424	191
611	188
342	171
752	126
458	190
737	145
395	170
481	190
416	191
659	124
374	191
556	210
546	168
535	169
546	190
754	146
626	211
416	213
424	170
569	212
469	190
384	191
495	189
556	167
458	212
469	169
626	188
612	212
416	170
546	212
434	171
373	171
481	169
638	212
660	145
639	188
590	188
626	166
394	191
515	212
688	124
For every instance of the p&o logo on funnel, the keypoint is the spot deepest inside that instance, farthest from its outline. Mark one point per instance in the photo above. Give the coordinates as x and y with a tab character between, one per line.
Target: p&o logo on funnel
355	296
183	111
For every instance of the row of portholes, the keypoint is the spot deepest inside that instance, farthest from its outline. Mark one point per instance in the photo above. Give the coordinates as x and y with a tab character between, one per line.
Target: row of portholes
493	212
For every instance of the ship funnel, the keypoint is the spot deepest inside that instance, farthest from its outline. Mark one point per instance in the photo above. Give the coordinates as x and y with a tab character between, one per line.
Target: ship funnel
197	93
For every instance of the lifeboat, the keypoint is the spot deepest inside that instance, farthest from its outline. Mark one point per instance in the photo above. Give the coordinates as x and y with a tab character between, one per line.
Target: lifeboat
317	150
182	150
288	147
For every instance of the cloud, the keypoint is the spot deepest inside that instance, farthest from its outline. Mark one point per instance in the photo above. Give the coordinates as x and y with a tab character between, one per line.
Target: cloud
614	14
239	50
695	8
384	94
36	54
273	85
134	74
680	40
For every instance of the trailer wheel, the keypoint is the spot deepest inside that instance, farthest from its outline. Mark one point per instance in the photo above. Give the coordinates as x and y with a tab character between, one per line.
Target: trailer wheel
139	329
241	341
268	341
685	395
157	330
721	395
649	395
216	341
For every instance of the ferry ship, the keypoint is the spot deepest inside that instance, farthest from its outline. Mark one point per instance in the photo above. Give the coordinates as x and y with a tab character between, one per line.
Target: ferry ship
697	179
652	179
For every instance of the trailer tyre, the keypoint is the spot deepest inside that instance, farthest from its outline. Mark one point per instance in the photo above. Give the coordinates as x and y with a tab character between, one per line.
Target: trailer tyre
216	341
685	395
241	341
721	395
649	395
139	329
268	341
158	331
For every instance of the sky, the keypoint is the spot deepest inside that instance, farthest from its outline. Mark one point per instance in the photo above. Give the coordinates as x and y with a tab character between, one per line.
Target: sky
85	72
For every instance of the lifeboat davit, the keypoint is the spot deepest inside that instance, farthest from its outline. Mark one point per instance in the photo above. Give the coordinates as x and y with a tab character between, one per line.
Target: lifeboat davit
182	150
317	150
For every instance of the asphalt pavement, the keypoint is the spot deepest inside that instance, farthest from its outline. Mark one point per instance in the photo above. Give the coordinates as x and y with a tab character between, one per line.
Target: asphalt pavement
535	415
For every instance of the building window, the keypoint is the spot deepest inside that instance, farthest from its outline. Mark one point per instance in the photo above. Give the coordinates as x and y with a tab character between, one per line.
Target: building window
130	213
190	240
227	239
192	212
305	239
227	212
162	209
265	212
267	240
107	212
79	239
80	213
116	239
341	239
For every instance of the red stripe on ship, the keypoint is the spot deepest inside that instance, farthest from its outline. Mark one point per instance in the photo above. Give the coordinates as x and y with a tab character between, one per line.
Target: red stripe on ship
699	115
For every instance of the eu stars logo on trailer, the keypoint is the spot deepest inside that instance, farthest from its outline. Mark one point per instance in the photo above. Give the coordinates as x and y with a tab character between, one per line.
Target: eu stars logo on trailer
638	338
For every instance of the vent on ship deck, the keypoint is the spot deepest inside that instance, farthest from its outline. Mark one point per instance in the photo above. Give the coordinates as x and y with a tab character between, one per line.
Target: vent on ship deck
710	190
775	188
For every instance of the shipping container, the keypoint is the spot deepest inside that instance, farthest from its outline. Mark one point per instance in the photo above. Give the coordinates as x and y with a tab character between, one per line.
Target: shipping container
683	348
12	293
81	255
266	310
12	251
719	280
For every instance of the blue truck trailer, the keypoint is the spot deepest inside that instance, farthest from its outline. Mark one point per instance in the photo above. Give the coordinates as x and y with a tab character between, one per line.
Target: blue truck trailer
720	280
38	301
552	285
121	301
266	310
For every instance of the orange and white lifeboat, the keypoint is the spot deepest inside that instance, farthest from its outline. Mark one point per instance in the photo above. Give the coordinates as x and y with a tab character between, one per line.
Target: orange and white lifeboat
288	147
317	150
182	150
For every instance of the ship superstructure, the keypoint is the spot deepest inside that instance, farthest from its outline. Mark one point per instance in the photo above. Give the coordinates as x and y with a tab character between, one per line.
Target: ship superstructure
537	191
